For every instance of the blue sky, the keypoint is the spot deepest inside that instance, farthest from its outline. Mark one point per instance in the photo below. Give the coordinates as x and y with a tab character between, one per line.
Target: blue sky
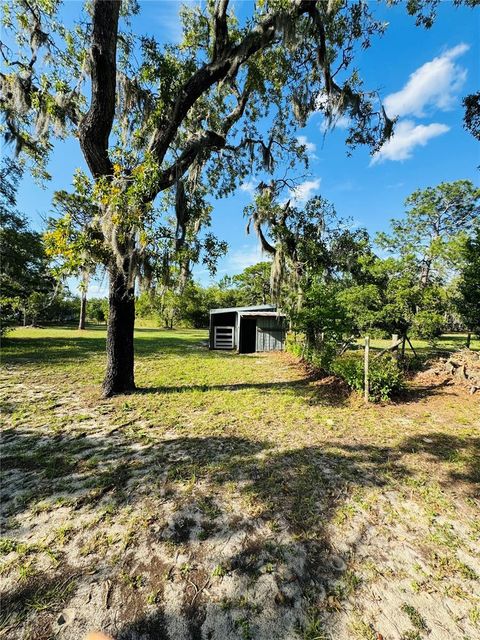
421	76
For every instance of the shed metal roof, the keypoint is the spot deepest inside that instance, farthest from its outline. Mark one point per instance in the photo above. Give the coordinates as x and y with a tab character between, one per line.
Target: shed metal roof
258	307
268	314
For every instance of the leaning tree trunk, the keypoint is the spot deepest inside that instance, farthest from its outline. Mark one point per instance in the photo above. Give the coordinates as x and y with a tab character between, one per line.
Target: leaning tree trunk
121	320
83	310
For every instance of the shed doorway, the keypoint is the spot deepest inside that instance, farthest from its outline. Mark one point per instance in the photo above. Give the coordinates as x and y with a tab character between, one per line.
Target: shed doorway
248	335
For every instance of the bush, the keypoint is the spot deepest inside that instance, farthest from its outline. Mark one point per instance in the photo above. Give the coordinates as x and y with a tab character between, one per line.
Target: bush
320	354
350	368
294	345
97	310
323	353
385	376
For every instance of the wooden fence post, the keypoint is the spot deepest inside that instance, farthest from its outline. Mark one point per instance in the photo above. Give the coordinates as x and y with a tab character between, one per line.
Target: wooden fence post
366	383
394	342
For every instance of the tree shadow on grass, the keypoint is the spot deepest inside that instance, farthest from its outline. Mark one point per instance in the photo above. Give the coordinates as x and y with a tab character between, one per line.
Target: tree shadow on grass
50	350
287	487
447	448
284	571
414	393
298	491
42	595
313	389
81	470
300	388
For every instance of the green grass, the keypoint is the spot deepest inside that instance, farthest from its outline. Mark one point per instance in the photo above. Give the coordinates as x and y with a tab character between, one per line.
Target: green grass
214	445
447	342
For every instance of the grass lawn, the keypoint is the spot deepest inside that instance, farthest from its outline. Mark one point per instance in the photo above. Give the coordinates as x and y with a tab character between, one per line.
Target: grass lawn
447	342
231	497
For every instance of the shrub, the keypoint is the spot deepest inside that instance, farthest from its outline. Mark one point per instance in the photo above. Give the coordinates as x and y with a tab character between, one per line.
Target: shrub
349	367
385	377
323	353
294	345
320	354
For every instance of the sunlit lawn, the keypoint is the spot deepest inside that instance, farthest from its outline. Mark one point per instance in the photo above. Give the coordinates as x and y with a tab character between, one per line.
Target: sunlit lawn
447	342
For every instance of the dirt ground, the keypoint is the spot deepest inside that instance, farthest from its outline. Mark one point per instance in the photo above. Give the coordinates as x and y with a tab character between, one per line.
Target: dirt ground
245	501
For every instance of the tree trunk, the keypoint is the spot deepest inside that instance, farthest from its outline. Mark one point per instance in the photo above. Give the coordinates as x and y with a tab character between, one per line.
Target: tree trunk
83	310
426	271
469	338
121	320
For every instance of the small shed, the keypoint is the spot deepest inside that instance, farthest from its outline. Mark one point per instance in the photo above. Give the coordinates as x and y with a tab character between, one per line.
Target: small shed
247	329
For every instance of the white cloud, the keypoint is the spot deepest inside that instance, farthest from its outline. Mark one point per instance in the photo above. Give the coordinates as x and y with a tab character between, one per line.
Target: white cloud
406	137
244	257
340	122
310	147
346	186
304	191
248	187
434	84
98	290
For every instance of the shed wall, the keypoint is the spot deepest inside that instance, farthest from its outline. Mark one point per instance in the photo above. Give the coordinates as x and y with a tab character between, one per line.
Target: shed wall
270	334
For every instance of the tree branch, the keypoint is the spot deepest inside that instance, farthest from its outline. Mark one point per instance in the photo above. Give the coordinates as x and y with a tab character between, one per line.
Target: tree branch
96	126
220	28
203	142
266	246
168	177
226	65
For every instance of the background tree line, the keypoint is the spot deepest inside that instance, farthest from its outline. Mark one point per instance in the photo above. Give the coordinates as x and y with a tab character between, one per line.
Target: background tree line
422	278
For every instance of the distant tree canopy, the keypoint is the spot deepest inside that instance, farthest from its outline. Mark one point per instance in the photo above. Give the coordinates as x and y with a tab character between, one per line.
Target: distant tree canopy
253	284
472	114
97	310
436	225
25	280
468	300
332	283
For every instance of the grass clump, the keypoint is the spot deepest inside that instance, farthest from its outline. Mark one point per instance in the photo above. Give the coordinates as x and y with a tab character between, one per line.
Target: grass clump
315	630
412	634
363	630
415	618
7	545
